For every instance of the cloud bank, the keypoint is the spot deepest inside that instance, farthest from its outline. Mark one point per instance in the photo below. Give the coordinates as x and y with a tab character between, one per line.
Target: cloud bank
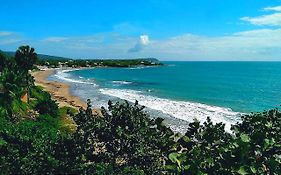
273	19
261	44
143	41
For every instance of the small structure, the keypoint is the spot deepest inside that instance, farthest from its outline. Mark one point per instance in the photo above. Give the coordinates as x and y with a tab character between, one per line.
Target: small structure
24	97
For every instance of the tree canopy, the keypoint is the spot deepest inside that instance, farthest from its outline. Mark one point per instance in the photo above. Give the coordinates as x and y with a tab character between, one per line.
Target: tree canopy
25	57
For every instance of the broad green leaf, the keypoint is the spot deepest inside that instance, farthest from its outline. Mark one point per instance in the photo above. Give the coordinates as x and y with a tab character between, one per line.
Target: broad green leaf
186	139
253	169
170	167
174	157
2	142
186	167
245	138
242	171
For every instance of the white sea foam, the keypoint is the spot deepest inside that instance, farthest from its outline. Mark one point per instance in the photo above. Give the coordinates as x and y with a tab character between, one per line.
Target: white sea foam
62	74
122	82
68	70
184	110
138	67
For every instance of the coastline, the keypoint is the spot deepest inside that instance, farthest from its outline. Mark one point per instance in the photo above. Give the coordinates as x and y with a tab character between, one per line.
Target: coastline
177	114
59	91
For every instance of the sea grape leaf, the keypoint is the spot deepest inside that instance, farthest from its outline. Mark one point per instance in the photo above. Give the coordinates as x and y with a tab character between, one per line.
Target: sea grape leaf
174	158
170	167
242	171
186	139
253	169
2	142
245	138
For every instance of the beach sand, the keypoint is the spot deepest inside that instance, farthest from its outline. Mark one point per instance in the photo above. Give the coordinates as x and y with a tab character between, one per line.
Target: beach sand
58	90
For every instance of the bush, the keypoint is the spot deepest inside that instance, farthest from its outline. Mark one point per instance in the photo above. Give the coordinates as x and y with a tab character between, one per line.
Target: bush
47	106
254	147
27	146
126	141
42	102
124	137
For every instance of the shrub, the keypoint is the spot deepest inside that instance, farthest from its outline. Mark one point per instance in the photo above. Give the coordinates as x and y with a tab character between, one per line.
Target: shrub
254	147
47	106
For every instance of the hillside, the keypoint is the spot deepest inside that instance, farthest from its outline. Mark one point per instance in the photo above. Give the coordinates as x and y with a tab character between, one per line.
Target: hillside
51	57
40	56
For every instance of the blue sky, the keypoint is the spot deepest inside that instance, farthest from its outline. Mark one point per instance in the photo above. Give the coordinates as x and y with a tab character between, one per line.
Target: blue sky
168	30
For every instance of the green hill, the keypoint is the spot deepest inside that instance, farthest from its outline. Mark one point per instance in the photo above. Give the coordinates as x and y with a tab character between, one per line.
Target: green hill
40	56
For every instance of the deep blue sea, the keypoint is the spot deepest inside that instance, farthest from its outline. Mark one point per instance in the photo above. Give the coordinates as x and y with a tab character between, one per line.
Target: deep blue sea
185	90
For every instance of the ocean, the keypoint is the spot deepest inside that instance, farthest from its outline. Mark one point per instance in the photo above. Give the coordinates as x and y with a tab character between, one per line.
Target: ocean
183	91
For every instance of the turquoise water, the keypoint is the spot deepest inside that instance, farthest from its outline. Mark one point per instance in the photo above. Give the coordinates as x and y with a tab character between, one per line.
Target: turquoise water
183	89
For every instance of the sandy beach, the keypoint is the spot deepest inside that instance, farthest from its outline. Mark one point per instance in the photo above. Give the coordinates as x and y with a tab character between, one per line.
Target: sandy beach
58	90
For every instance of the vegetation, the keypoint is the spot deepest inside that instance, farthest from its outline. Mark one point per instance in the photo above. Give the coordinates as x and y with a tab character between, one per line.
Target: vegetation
54	62
100	63
39	138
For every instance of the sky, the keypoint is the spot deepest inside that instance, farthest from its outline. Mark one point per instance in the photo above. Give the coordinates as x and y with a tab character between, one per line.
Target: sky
184	30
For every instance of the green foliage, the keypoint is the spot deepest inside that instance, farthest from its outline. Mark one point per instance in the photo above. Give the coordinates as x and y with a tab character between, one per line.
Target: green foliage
15	81
126	141
25	57
255	147
55	62
43	102
47	106
11	91
65	110
262	146
38	93
3	61
27	146
11	82
124	137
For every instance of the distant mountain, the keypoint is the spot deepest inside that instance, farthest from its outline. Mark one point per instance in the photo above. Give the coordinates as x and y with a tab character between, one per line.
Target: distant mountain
49	57
41	56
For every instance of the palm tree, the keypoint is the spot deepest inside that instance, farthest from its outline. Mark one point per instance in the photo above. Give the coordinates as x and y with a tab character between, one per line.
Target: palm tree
25	58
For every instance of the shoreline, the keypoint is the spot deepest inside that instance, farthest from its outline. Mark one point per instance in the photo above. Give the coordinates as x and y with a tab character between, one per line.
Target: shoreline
176	113
59	91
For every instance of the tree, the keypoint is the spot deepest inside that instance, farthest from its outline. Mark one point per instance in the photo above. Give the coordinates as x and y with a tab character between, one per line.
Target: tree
2	62
25	58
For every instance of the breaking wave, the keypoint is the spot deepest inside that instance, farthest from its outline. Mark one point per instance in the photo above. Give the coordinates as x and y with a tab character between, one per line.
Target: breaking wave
184	110
122	82
62	75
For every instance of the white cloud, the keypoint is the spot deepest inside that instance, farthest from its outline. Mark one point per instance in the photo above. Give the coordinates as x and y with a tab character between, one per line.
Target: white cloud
276	8
143	41
263	44
247	45
9	41
8	38
5	33
55	39
273	19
